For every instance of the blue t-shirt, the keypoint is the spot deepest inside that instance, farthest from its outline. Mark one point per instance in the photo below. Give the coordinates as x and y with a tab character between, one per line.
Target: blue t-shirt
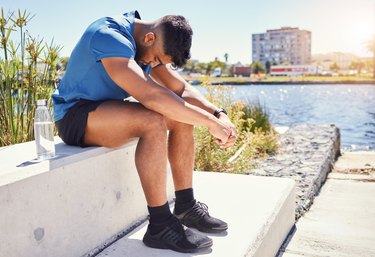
85	76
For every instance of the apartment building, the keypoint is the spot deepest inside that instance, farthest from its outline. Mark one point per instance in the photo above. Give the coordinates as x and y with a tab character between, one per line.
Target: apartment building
285	45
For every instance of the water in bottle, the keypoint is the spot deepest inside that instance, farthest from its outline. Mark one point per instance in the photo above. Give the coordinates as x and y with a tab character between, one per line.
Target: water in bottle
43	129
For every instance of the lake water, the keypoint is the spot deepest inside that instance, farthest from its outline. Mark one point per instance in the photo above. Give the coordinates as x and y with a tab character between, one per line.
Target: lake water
349	107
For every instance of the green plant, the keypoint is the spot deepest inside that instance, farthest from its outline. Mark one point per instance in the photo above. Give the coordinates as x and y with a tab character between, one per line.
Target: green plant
22	80
252	142
259	114
257	67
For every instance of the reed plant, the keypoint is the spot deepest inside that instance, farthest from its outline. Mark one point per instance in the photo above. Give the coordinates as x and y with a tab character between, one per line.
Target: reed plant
256	137
28	71
259	114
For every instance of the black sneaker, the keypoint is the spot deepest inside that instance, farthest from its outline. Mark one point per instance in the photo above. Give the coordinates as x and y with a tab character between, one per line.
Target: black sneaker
176	238
199	218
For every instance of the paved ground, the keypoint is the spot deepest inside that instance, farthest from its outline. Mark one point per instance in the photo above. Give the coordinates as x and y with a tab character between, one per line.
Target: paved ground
341	222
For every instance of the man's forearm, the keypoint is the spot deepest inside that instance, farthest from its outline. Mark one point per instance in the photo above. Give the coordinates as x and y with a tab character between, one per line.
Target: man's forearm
165	102
194	97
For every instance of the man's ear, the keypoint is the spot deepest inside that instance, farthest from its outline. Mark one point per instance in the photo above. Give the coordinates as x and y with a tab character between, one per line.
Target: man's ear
149	39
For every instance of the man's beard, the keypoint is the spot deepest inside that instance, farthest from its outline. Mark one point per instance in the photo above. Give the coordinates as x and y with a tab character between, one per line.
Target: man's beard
140	51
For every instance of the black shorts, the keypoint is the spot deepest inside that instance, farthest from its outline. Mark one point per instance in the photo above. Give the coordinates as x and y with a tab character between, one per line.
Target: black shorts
72	127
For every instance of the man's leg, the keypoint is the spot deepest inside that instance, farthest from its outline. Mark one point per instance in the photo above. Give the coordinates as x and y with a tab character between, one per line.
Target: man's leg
114	123
181	158
181	153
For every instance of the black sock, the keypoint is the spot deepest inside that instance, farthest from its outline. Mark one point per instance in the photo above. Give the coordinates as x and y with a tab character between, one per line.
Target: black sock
184	200
159	217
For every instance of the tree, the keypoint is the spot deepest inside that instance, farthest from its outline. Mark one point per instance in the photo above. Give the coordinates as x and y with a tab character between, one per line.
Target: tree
334	67
357	65
268	67
190	66
257	67
201	67
226	55
215	64
369	64
371	48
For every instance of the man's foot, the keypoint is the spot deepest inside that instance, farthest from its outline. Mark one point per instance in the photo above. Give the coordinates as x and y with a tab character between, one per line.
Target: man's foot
176	238
199	218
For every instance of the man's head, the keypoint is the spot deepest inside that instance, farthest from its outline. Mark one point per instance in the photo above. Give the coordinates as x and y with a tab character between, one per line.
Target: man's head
167	40
177	36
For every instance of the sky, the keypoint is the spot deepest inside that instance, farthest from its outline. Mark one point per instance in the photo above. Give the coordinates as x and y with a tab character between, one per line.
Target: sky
219	26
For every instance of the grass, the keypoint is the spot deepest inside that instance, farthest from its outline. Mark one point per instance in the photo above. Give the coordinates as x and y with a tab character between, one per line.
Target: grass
256	137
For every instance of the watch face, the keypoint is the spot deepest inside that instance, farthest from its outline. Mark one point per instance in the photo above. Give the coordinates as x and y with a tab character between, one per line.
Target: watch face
222	110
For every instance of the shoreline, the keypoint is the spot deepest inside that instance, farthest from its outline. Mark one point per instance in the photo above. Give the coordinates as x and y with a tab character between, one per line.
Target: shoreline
242	83
271	80
297	83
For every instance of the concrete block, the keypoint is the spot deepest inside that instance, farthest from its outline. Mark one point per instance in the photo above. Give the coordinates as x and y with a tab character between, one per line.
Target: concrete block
69	205
259	211
356	162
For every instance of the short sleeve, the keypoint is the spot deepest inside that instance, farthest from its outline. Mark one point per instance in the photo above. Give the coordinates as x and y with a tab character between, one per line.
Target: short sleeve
110	42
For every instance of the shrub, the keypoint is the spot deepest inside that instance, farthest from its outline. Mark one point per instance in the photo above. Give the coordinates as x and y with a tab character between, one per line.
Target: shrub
258	114
252	142
22	81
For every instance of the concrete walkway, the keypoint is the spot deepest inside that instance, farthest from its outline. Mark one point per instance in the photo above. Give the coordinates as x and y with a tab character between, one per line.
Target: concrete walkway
341	222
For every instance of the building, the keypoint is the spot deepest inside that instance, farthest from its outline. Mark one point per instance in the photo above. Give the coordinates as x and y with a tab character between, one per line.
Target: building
239	70
295	70
285	45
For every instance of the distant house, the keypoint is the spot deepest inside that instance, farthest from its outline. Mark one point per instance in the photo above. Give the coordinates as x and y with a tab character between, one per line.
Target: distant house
244	71
295	70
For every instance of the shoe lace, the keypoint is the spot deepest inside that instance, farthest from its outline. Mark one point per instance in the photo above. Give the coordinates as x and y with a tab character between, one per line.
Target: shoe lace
198	210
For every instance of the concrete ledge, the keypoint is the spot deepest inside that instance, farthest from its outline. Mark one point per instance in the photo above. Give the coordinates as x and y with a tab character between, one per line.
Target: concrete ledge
69	205
259	210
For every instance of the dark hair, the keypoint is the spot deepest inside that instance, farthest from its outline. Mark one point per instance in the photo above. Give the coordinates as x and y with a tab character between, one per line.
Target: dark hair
177	35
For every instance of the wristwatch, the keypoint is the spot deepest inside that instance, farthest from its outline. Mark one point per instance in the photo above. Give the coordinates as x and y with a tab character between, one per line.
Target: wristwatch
218	111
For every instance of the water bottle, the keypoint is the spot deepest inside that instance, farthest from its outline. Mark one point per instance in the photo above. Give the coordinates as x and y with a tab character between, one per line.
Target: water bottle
43	129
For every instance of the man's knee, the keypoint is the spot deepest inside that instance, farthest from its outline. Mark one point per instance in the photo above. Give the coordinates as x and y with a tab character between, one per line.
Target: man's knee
155	123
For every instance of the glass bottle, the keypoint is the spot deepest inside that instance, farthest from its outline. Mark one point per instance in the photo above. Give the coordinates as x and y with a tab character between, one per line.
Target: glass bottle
43	130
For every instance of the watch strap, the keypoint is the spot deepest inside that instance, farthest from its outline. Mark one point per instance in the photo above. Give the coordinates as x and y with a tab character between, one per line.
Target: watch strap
218	111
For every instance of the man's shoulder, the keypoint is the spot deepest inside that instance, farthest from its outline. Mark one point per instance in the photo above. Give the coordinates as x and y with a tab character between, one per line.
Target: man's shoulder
112	39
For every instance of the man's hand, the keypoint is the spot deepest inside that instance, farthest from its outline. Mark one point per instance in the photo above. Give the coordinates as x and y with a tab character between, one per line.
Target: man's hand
222	128
233	132
224	131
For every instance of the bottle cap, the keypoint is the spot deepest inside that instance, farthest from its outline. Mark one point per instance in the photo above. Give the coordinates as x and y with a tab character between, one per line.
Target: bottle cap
41	102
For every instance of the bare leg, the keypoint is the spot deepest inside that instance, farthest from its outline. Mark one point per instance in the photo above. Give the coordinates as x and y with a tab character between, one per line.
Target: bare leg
114	123
181	153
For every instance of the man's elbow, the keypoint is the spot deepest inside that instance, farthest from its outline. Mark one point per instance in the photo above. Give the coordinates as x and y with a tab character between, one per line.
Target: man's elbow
153	100
161	101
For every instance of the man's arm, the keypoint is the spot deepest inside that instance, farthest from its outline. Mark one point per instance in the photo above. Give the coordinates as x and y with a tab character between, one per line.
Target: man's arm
164	75
129	76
